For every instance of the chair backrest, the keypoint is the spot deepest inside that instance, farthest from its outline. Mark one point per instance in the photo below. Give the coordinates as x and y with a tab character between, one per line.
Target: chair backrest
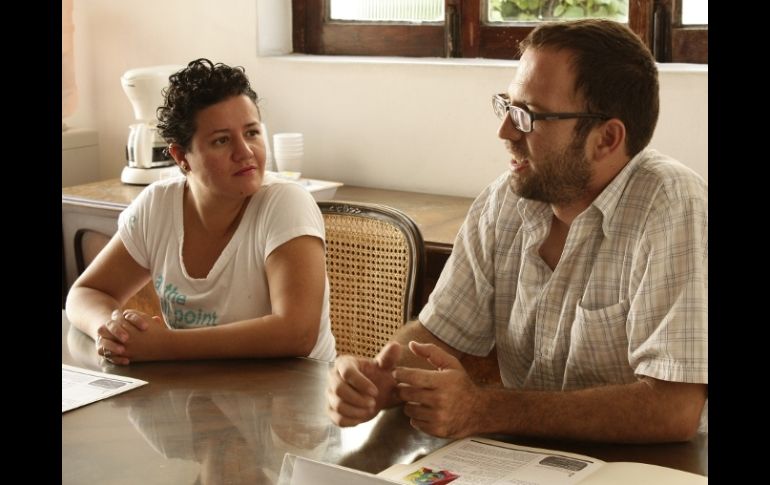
374	259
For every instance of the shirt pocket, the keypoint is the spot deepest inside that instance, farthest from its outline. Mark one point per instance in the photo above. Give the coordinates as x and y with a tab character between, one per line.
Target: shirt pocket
598	352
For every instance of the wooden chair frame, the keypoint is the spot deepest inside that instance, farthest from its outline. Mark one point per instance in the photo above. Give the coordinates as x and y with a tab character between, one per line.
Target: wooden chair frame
366	298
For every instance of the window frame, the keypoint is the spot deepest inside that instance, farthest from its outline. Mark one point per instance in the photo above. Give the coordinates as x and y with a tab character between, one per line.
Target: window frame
314	33
687	43
657	22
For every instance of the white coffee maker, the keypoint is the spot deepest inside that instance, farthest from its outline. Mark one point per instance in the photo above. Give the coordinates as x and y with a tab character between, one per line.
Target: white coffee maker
145	148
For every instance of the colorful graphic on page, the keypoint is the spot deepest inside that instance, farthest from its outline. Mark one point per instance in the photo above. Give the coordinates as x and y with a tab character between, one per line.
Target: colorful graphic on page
426	476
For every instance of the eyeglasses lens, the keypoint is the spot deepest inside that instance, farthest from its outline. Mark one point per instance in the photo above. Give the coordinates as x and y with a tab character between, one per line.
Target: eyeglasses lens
521	119
499	107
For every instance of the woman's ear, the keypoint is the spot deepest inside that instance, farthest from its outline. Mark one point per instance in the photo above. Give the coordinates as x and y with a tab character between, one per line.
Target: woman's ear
178	154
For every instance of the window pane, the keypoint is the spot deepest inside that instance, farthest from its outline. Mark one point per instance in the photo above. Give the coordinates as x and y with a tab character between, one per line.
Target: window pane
695	12
388	10
533	11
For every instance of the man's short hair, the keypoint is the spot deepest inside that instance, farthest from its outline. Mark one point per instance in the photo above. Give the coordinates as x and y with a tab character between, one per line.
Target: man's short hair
615	72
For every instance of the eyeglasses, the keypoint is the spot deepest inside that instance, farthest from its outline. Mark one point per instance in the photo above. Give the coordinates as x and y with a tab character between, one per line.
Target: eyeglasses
524	120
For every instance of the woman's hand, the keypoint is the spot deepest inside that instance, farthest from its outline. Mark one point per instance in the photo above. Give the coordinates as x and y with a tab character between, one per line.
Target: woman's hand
114	335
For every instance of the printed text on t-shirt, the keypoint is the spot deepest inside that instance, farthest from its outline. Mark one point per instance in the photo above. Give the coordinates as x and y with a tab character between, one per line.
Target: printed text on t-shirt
171	303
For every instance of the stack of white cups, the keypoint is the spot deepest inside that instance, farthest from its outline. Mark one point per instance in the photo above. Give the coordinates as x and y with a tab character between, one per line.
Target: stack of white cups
288	149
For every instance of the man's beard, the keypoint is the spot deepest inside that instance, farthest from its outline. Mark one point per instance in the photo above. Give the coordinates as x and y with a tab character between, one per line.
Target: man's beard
560	178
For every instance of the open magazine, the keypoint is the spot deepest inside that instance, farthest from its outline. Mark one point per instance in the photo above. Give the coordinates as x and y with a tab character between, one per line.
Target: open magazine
483	461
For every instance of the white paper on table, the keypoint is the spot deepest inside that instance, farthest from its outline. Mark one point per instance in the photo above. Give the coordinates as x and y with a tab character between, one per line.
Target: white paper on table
298	470
83	386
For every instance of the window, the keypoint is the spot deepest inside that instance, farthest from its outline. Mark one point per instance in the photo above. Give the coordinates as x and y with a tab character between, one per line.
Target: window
675	30
689	31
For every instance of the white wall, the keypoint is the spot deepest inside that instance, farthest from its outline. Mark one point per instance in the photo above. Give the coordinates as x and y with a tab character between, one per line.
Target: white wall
421	125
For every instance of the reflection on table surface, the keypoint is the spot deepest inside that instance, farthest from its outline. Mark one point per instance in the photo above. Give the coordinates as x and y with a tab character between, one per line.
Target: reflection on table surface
218	422
232	422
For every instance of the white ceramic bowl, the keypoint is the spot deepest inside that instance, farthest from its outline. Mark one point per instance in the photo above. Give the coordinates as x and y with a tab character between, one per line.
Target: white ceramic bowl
321	189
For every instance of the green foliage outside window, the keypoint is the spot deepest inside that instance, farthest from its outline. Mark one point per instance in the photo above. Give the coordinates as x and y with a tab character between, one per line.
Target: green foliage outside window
534	10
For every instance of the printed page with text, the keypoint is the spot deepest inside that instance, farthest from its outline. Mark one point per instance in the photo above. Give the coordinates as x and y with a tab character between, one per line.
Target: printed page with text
476	461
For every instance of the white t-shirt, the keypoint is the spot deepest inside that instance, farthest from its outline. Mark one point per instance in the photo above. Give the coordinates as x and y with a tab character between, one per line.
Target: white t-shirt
236	288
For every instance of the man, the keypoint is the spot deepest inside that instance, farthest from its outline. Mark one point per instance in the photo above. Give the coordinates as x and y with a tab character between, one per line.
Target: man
585	265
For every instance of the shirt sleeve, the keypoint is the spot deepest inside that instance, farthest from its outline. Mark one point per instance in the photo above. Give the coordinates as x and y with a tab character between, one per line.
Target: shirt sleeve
668	316
133	223
290	212
460	308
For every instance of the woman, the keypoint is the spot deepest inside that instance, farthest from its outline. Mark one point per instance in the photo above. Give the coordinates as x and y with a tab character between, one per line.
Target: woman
237	261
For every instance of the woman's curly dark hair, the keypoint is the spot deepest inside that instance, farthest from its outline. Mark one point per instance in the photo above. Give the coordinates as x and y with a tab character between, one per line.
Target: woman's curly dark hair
196	87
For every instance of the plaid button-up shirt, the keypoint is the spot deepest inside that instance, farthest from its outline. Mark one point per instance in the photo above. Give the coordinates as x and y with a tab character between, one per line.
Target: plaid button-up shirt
627	298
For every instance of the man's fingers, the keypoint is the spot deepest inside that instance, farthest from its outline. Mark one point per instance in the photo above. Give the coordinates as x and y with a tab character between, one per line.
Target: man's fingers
346	410
388	357
343	421
419	412
414	394
434	354
350	373
350	394
419	378
340	390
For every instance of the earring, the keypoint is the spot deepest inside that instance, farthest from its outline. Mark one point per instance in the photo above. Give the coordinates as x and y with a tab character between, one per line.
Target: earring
185	167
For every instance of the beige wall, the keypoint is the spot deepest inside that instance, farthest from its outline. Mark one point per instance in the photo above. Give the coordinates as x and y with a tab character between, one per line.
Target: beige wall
422	125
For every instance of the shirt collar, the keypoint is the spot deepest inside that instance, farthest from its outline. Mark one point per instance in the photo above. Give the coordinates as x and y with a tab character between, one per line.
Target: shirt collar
533	212
607	201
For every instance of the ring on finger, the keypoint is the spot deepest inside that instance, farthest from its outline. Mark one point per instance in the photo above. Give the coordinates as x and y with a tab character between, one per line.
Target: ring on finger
107	353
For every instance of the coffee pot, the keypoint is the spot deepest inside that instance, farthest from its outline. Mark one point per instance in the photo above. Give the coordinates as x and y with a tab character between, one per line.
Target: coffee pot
145	148
146	157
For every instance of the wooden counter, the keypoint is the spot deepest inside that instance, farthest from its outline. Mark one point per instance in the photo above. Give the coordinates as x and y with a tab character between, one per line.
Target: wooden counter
439	217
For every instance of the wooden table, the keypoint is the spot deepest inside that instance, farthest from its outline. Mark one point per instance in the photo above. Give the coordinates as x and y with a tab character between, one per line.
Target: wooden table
231	421
225	421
